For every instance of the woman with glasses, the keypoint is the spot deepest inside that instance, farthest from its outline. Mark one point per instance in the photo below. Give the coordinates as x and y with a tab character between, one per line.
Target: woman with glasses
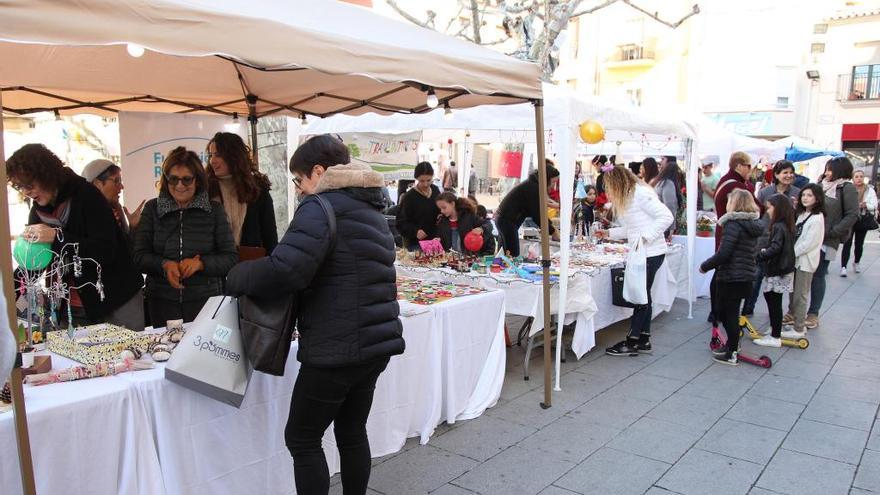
235	182
68	210
183	243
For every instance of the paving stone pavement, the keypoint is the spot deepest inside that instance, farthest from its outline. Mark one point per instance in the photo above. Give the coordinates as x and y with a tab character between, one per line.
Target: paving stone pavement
674	422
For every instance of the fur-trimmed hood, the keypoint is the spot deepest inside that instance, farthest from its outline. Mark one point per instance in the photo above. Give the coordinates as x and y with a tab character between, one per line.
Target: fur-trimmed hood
165	204
737	215
350	175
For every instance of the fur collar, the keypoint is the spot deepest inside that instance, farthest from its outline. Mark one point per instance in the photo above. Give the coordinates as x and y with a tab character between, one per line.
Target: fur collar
737	215
350	175
165	204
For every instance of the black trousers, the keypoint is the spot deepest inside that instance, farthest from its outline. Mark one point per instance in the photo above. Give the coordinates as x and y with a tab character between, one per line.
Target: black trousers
859	236
774	307
727	299
509	235
640	324
344	397
161	311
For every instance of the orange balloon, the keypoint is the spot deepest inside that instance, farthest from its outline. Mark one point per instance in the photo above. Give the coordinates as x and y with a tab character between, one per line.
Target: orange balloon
591	131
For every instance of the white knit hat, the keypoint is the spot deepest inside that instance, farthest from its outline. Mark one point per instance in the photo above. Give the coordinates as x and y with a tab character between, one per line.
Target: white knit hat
96	168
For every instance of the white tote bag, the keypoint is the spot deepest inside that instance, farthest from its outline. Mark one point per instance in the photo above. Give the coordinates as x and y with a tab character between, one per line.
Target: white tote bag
635	277
210	359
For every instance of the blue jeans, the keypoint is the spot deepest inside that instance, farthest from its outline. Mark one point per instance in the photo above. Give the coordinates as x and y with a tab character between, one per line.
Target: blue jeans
640	324
817	290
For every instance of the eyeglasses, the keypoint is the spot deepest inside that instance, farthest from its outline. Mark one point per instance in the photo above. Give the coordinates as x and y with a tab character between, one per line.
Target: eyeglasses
174	180
22	188
296	182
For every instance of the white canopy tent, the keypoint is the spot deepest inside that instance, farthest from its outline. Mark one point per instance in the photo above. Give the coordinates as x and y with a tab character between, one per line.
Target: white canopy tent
256	58
564	111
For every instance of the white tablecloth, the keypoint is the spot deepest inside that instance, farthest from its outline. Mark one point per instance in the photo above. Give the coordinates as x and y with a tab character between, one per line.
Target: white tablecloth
139	433
704	247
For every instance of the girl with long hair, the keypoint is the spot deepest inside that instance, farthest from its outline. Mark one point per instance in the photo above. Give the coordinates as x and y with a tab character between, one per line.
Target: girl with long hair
650	171
458	217
642	217
808	232
779	264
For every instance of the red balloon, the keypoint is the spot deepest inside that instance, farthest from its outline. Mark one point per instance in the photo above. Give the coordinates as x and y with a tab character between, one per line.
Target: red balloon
473	241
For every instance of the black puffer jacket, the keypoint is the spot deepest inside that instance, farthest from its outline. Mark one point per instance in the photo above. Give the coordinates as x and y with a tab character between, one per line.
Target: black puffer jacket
778	257
348	311
735	259
466	222
167	232
91	225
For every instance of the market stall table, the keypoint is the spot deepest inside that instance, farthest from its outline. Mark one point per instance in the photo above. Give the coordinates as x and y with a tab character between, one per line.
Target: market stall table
704	248
145	434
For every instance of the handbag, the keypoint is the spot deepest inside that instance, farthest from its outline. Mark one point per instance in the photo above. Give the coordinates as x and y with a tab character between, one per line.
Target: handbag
866	222
617	299
209	359
635	277
267	324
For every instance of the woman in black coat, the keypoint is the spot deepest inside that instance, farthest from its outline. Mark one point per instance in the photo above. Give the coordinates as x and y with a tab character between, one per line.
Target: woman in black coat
734	265
458	217
778	264
348	311
417	217
235	181
68	210
523	201
183	242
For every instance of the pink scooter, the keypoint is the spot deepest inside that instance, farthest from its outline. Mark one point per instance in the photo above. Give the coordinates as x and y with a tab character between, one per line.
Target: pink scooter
719	339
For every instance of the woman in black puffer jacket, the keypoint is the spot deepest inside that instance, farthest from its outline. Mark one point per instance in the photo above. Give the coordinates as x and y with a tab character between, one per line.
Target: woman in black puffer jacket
183	242
348	320
778	263
734	266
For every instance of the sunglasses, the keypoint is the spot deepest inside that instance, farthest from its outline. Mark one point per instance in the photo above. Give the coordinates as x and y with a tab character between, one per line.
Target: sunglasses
174	180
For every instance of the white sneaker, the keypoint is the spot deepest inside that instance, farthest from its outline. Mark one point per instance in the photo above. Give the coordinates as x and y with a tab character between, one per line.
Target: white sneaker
857	268
768	341
793	334
843	271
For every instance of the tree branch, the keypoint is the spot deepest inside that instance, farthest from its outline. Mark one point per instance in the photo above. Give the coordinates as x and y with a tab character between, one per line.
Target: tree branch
593	9
694	11
452	19
406	15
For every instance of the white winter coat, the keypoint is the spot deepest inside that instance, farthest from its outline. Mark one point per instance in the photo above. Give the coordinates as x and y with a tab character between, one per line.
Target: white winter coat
808	246
645	217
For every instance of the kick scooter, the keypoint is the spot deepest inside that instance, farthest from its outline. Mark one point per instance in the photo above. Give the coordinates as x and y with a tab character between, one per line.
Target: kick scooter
746	326
719	339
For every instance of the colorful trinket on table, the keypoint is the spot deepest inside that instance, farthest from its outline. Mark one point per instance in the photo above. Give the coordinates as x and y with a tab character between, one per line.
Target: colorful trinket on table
109	368
426	292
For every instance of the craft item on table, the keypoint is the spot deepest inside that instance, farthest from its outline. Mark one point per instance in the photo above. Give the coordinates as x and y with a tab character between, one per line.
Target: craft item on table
473	241
107	368
705	226
97	343
163	344
431	246
426	292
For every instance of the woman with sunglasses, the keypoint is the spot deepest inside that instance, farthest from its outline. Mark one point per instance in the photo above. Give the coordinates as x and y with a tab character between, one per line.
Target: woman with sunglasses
183	242
235	182
68	210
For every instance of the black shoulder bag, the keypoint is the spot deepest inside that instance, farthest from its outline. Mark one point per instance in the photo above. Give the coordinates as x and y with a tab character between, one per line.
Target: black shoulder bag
267	324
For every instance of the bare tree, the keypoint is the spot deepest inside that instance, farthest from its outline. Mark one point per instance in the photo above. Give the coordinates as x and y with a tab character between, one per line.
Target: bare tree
530	28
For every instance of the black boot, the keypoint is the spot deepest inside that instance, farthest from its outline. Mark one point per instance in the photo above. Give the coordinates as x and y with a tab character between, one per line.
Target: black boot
623	348
644	343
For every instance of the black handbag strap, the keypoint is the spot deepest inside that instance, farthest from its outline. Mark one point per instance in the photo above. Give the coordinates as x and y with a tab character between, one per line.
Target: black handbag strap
331	220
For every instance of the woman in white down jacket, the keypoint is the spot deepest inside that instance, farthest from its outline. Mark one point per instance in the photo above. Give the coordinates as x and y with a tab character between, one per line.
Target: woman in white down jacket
809	233
641	215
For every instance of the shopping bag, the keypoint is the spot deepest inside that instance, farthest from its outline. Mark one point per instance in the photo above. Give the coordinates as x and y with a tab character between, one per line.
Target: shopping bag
210	359
617	276
635	278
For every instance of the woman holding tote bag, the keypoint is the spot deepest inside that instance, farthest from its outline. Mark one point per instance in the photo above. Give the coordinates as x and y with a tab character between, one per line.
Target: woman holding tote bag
643	218
348	312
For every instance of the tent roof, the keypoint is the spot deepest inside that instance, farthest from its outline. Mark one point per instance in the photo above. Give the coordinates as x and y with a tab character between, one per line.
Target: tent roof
317	57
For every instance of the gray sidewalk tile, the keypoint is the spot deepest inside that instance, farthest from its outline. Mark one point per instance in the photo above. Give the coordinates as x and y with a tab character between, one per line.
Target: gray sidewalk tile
656	490
613	409
683	364
857	369
656	439
696	413
743	441
874	439
612	472
764	411
841	412
797	390
700	472
650	387
616	367
849	388
571	439
723	390
862	353
525	410
793	368
514	471
555	490
761	491
578	388
825	440
419	470
793	473
450	489
868	474
482	438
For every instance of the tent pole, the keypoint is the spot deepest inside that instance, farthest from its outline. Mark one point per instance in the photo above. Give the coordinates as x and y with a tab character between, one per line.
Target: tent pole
252	120
22	438
545	249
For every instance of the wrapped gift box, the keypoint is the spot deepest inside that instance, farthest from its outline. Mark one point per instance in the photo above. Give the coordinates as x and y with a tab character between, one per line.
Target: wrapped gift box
96	343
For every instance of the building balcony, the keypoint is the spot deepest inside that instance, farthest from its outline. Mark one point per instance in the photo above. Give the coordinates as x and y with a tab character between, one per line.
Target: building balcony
631	56
859	89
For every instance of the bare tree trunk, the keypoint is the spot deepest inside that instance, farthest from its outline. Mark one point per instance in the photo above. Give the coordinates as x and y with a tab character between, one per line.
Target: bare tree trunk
555	21
475	21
